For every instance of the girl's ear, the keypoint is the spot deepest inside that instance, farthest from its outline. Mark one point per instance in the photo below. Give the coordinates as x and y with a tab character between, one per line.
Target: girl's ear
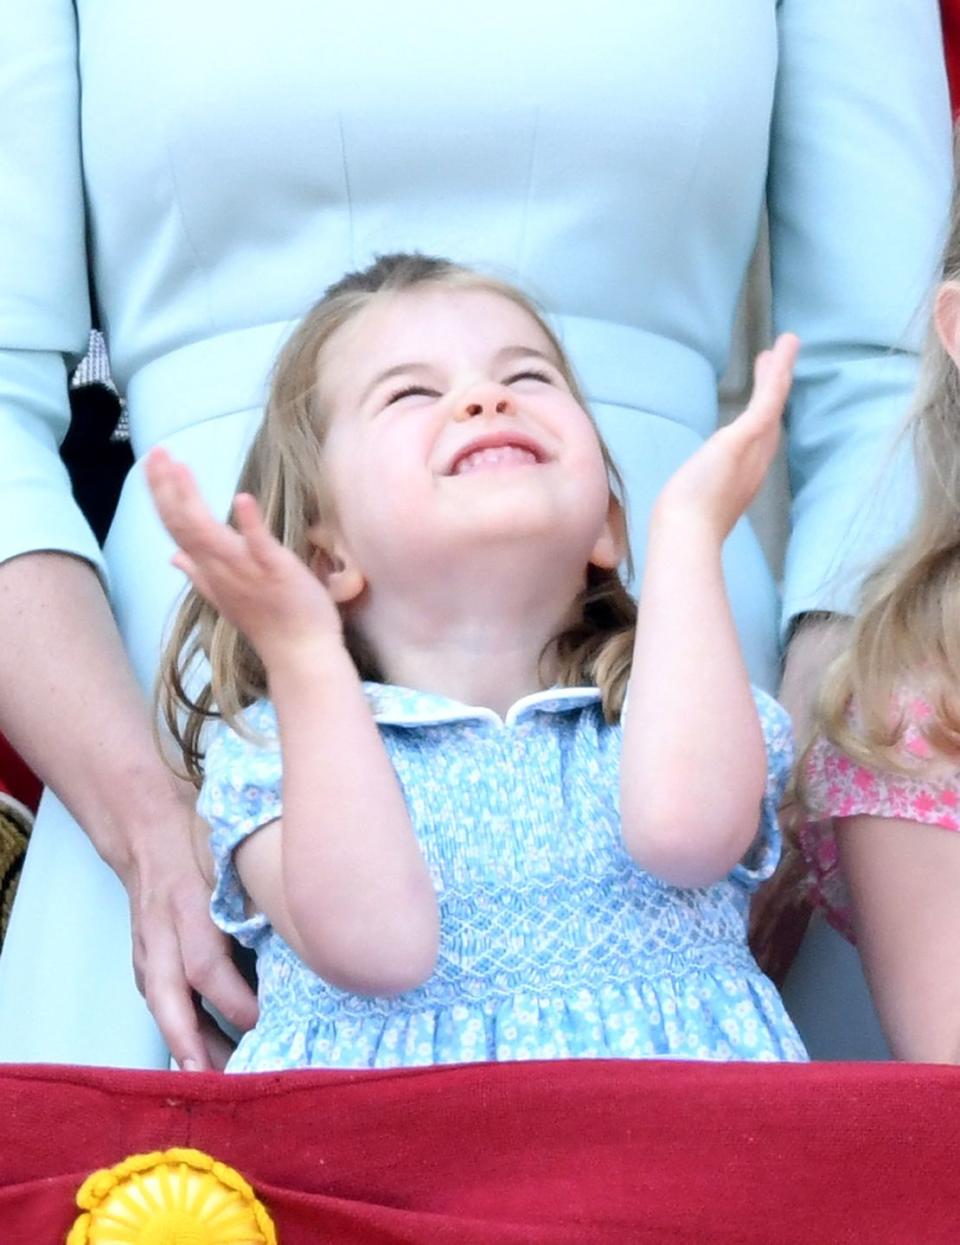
333	565
611	546
946	318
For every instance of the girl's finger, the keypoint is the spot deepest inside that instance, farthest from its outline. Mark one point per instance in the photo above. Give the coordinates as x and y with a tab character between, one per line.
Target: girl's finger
183	562
190	498
760	367
206	540
169	480
179	503
161	482
261	543
784	355
169	498
156	464
203	536
773	375
193	572
246	512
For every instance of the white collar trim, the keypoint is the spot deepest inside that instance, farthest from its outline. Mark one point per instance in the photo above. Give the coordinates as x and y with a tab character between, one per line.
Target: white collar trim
403	706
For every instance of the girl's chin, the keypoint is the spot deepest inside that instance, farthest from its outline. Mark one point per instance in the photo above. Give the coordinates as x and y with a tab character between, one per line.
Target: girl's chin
490	545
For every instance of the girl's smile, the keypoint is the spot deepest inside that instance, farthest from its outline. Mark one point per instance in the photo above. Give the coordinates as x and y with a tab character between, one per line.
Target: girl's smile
496	449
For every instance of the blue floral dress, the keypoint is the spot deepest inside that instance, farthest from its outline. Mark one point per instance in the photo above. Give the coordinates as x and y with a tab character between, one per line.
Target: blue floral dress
553	943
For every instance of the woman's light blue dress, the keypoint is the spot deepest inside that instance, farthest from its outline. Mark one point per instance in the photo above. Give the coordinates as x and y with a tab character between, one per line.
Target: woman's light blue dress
553	944
198	172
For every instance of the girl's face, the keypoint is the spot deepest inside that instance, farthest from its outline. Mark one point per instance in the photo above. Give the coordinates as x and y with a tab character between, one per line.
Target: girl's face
452	428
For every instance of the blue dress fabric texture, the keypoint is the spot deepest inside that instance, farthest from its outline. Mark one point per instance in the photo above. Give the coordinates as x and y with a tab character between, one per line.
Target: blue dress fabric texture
553	943
200	172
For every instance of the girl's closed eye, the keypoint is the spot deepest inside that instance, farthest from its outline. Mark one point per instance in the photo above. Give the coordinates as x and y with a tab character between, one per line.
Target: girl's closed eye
418	391
530	374
408	391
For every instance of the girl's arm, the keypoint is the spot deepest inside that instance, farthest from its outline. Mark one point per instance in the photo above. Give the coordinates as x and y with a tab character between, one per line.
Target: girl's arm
342	877
904	881
694	762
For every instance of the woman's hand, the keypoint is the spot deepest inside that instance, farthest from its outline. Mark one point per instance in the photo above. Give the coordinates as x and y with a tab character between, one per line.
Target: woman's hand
178	953
259	586
719	481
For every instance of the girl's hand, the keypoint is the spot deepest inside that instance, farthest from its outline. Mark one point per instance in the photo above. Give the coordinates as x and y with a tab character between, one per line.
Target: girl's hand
717	483
259	586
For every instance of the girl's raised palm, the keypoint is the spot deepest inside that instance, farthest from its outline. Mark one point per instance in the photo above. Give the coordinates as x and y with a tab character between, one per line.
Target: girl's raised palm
253	581
719	481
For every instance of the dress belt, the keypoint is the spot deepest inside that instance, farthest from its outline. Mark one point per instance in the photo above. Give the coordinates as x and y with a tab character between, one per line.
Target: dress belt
617	364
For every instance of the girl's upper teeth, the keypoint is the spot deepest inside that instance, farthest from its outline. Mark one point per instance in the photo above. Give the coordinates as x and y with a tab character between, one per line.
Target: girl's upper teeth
493	456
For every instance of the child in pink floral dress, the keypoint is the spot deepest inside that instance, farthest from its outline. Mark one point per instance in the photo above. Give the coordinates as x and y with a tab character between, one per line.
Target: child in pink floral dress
837	786
881	781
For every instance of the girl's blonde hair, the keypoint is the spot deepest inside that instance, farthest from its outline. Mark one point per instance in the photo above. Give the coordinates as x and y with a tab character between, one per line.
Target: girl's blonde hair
284	470
906	637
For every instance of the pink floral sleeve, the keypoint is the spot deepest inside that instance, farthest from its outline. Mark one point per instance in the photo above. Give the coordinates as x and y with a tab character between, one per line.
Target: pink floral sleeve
840	787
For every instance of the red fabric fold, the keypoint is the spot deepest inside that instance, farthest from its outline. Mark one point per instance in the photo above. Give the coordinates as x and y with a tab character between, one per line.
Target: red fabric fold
543	1153
16	779
950	13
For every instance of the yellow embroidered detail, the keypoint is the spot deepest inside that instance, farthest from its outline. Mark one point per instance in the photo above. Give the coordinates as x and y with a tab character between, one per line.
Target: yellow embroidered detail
174	1197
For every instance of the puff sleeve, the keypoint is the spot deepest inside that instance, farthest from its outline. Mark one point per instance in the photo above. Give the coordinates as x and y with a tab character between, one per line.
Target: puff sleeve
241	792
764	854
44	293
858	194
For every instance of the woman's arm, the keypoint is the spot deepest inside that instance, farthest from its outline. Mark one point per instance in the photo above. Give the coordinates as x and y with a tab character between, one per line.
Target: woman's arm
858	195
342	877
694	762
904	884
67	697
73	709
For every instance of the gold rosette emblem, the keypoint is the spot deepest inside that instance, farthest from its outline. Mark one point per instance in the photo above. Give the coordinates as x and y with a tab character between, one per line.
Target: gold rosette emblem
178	1197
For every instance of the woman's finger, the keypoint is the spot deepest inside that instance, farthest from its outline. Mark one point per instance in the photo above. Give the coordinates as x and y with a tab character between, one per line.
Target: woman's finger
170	1000
218	1046
212	974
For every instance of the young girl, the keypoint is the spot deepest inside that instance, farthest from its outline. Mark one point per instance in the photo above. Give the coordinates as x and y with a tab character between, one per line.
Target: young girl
883	777
437	832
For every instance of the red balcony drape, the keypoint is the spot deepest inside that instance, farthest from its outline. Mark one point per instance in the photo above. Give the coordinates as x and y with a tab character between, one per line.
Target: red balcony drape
950	12
545	1153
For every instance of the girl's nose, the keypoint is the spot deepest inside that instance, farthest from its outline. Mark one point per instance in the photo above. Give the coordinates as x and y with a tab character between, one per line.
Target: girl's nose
489	400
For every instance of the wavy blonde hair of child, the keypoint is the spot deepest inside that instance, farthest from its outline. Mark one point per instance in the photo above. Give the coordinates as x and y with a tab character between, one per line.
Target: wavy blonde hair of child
906	636
284	470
